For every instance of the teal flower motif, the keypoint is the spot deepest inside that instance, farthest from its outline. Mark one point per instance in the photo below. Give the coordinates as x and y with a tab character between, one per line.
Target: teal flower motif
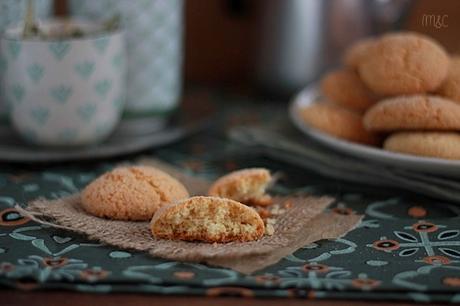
56	247
44	268
102	87
14	48
449	234
86	112
18	92
41	245
101	44
425	237
35	72
338	247
149	273
40	115
61	93
143	273
94	274
320	276
84	69
411	279
59	49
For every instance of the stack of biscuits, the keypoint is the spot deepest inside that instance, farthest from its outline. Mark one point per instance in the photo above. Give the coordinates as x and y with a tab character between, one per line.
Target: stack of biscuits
400	91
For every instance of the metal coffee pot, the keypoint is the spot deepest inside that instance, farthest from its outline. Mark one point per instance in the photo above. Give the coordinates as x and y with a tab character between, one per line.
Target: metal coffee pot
301	38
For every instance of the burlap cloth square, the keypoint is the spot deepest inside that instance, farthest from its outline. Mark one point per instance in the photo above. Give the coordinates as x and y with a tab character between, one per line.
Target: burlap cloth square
303	223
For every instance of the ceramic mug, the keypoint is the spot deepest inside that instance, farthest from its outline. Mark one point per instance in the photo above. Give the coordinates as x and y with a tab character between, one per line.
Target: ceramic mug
154	31
69	91
11	13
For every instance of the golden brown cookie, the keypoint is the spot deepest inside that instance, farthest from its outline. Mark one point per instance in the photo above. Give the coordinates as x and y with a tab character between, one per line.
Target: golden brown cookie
208	219
357	52
450	88
338	122
404	63
432	144
345	88
417	112
246	186
131	193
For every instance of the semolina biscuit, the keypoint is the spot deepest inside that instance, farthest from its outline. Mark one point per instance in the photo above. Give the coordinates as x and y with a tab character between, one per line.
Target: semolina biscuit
355	54
345	88
246	186
338	122
432	144
131	193
208	219
404	63
417	112
450	88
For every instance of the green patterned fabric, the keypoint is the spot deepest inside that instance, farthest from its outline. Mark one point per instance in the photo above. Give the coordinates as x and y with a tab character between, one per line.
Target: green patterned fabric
407	247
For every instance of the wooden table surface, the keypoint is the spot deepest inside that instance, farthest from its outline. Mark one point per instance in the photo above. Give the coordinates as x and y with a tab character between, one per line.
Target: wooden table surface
60	298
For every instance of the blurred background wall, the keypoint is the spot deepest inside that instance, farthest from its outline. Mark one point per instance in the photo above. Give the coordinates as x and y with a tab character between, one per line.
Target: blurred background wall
221	36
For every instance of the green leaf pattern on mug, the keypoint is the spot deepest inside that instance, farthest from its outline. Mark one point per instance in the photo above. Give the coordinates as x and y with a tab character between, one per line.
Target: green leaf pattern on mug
86	112
84	69
59	49
61	93
35	72
102	87
40	115
18	92
156	25
97	74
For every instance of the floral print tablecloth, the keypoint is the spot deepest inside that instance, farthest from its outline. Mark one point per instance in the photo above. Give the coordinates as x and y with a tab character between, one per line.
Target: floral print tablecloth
407	247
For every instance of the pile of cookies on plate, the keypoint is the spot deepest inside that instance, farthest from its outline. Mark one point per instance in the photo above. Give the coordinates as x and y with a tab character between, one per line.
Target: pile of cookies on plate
237	207
400	91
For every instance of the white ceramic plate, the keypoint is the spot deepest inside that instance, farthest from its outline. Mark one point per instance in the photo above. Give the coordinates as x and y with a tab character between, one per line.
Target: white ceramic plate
444	167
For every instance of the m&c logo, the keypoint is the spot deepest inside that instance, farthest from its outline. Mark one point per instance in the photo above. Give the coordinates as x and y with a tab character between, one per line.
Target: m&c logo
435	21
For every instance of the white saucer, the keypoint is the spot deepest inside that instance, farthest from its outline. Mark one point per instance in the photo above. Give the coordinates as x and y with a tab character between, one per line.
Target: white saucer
442	167
132	135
